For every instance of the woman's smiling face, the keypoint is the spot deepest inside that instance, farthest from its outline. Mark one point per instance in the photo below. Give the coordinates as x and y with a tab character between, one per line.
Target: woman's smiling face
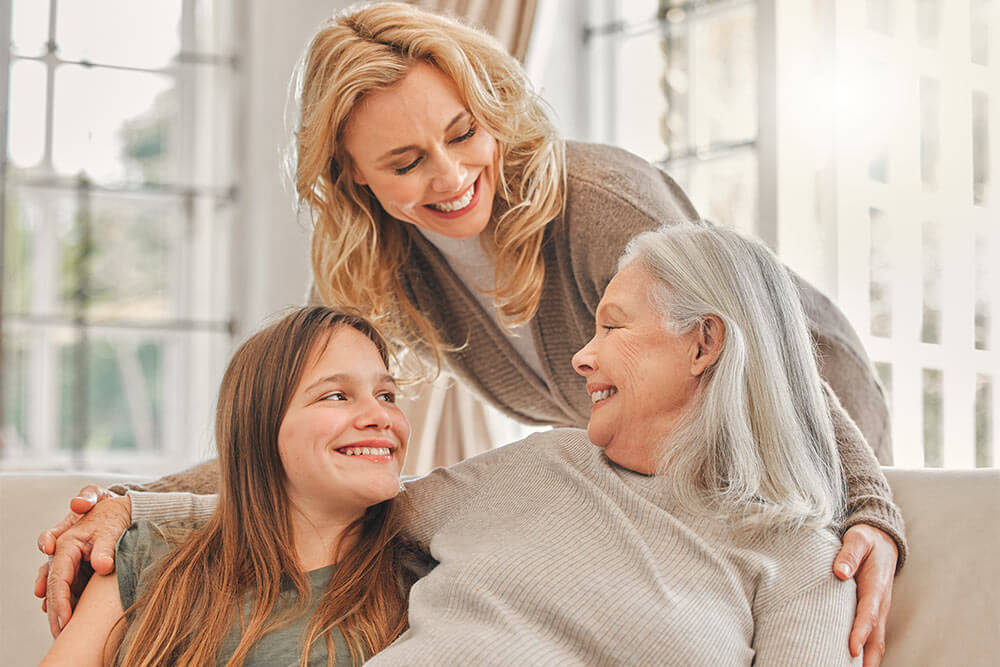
343	437
423	155
641	378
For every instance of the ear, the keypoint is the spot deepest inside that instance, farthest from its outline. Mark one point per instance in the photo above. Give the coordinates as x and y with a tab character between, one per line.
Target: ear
710	336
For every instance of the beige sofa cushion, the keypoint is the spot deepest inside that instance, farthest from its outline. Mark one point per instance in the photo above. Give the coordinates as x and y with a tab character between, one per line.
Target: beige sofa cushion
946	600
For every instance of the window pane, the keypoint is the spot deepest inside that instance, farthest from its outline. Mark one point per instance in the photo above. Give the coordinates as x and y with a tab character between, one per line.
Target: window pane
637	11
985	284
120	379
724	77
122	127
880	16
928	23
722	189
29	27
15	392
880	287
933	423
108	123
642	106
213	26
930	331
121	32
17	249
980	147
930	131
26	124
984	421
979	31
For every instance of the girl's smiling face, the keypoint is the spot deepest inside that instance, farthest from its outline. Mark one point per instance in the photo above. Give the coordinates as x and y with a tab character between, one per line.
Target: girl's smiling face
423	155
343	438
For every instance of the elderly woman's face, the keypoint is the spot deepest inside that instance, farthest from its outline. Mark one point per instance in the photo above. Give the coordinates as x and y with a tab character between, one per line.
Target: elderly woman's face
640	378
423	155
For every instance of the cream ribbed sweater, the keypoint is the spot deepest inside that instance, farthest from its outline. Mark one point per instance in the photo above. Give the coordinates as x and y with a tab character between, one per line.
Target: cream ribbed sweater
552	555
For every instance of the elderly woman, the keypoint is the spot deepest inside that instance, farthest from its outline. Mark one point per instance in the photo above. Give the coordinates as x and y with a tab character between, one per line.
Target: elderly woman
696	520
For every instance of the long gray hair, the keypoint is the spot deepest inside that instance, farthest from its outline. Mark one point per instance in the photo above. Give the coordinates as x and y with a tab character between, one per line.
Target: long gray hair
759	444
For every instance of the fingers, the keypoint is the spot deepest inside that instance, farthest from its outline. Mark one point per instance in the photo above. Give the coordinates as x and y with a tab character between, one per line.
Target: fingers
865	620
61	571
89	496
47	540
43	574
857	545
875	647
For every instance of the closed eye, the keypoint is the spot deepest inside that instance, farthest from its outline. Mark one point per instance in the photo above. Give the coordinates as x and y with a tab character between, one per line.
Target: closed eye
468	135
400	171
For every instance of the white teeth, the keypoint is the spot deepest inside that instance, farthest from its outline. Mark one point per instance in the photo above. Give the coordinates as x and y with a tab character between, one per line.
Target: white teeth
363	451
603	394
457	204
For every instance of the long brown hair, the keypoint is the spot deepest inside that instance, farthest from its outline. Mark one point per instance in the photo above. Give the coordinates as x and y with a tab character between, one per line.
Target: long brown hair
357	249
246	549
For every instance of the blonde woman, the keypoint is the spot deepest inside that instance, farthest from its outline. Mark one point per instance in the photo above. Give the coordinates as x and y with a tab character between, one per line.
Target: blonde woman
448	211
300	562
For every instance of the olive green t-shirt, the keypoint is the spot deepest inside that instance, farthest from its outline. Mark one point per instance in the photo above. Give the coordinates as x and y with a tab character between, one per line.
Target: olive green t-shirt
144	543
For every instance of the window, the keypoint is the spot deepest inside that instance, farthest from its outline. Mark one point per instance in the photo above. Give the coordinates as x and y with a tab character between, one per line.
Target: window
859	140
117	218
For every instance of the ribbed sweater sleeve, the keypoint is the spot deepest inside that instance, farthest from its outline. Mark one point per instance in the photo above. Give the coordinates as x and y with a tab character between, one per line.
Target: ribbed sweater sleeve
796	631
160	507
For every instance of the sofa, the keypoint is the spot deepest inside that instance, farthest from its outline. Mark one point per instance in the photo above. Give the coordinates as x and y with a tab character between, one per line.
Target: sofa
946	600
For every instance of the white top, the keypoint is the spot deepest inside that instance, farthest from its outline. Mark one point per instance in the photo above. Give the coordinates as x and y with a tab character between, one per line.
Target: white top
473	265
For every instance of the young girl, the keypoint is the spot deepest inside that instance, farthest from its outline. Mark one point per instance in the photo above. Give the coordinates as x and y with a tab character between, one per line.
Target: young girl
301	557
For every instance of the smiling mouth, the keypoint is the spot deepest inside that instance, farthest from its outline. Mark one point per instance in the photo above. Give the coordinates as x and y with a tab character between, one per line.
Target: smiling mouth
373	454
602	395
460	204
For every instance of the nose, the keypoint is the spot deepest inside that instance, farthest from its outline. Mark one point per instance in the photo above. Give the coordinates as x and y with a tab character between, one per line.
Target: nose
449	174
372	414
585	361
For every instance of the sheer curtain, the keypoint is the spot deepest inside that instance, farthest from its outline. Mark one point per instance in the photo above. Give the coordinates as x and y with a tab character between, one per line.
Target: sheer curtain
448	421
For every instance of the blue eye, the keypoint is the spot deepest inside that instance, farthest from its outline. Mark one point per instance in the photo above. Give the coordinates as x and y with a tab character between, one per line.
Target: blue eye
408	168
608	328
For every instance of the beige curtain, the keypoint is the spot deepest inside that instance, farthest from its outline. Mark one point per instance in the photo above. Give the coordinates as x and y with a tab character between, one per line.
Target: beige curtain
509	21
448	422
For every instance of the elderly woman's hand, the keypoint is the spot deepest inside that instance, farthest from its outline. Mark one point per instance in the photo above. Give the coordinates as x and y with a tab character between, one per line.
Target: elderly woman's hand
870	556
79	537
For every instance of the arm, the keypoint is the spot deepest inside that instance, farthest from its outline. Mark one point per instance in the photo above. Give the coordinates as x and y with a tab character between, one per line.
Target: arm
94	538
808	628
94	634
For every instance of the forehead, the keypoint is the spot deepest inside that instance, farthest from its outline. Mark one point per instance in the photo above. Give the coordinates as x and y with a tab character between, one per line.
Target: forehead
345	351
629	288
425	98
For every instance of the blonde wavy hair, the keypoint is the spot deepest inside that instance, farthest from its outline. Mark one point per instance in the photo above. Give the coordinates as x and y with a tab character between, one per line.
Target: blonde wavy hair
358	250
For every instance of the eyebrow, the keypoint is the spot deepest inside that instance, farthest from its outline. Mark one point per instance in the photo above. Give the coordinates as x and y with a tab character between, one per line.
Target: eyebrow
403	149
344	377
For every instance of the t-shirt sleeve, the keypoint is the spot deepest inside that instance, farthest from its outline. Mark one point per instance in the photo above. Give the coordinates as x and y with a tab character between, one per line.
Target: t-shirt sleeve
140	545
